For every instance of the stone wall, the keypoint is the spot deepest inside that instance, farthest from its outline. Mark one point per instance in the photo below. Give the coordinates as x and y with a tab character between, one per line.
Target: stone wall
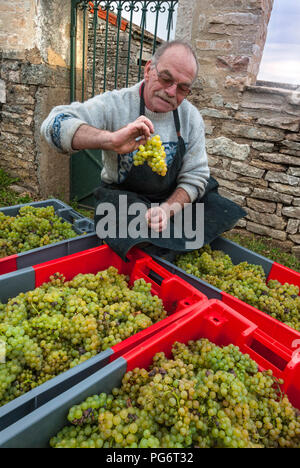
252	129
34	77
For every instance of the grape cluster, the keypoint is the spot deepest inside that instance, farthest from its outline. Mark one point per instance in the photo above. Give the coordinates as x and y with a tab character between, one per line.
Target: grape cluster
204	396
60	324
245	281
33	227
154	153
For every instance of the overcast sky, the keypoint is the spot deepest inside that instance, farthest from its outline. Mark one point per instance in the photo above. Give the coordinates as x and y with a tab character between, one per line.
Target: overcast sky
281	57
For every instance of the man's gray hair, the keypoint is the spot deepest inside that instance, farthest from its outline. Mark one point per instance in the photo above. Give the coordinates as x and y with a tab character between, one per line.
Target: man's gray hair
176	42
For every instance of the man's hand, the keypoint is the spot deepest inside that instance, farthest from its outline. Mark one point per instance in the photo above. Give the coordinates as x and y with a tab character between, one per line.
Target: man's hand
121	141
157	218
125	139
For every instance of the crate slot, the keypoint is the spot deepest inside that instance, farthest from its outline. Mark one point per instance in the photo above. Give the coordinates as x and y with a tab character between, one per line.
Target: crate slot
268	354
155	277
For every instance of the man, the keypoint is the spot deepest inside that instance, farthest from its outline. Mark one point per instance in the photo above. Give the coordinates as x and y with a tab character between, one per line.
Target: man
119	121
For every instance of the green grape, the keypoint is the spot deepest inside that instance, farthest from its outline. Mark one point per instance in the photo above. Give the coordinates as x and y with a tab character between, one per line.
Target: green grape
203	396
62	323
154	153
245	281
32	227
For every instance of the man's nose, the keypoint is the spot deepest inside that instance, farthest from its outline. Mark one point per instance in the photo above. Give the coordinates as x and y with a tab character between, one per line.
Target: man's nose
172	90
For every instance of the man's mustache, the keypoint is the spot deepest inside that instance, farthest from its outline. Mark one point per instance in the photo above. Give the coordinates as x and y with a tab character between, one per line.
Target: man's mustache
166	98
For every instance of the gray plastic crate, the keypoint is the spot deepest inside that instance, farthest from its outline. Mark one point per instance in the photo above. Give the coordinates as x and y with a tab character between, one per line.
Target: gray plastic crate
80	223
35	398
35	429
83	226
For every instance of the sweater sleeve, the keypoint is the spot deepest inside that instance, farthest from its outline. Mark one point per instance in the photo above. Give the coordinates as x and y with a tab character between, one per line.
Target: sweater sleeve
61	124
194	173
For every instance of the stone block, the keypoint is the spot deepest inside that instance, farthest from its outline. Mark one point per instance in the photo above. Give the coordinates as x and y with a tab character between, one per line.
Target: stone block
294	171
228	175
214	113
2	92
295	238
280	158
217	45
291	212
281	122
247	170
253	133
292	226
263	146
268	166
294	145
238	63
261	206
235	19
239	199
266	231
286	189
223	146
275	222
235	187
272	195
282	178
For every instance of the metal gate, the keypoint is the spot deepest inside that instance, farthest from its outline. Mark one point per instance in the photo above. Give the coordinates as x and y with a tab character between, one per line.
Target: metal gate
109	50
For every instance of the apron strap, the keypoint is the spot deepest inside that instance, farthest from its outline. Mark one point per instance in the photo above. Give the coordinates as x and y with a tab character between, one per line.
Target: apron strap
175	112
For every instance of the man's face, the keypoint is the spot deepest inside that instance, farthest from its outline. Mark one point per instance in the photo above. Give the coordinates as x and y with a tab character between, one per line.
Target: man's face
167	83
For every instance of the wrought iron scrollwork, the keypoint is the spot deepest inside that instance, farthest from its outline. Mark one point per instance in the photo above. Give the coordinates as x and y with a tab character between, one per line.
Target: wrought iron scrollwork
154	6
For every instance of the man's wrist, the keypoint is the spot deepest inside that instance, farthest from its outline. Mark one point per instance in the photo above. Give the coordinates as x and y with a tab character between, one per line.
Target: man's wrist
176	202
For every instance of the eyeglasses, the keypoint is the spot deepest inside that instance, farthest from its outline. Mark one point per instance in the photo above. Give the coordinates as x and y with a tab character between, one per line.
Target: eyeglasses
167	82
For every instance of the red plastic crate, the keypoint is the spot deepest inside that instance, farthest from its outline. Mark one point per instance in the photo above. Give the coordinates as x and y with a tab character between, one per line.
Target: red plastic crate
284	274
178	296
280	332
274	271
8	264
222	325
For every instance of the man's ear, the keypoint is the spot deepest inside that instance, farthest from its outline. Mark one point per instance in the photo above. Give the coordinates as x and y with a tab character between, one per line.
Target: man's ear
147	69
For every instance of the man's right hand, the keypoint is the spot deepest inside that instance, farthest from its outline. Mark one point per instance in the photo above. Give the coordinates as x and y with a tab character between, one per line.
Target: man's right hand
125	139
121	141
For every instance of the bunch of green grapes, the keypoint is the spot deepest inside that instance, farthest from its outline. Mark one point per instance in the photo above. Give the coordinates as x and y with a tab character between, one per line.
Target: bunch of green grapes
203	396
154	153
245	281
33	227
62	323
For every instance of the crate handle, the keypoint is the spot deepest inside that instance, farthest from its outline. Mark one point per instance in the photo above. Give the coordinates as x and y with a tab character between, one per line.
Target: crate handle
146	268
267	351
155	277
67	211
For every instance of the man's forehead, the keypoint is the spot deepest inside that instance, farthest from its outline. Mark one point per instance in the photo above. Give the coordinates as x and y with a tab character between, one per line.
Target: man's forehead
179	56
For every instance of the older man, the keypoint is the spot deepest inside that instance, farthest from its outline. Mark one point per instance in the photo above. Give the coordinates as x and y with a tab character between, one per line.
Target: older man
119	121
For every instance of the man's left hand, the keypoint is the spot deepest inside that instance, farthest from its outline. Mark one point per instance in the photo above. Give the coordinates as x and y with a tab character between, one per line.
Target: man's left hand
157	218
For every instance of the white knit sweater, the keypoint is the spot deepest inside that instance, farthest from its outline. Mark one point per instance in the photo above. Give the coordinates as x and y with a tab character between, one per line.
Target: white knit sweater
115	109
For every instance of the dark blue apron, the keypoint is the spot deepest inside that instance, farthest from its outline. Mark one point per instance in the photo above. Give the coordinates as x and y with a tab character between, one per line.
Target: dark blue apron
144	186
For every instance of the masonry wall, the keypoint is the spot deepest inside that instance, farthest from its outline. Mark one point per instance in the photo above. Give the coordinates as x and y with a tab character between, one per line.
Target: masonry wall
34	77
252	129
